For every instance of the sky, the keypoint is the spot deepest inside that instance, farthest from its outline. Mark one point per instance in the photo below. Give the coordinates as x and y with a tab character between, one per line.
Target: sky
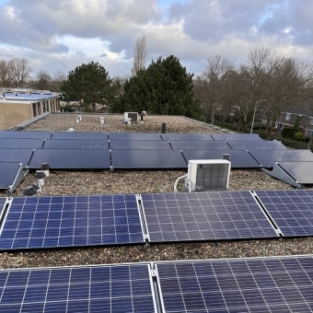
58	35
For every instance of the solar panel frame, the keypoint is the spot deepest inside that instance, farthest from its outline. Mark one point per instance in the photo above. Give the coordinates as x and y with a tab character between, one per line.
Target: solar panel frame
200	145
186	137
272	285
88	289
291	210
83	144
25	134
24	143
255	145
8	173
134	136
71	221
229	137
16	156
3	202
139	145
202	216
79	135
302	172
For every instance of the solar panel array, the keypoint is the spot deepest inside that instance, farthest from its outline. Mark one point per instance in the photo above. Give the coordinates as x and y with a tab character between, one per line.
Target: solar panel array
67	221
94	289
205	216
271	285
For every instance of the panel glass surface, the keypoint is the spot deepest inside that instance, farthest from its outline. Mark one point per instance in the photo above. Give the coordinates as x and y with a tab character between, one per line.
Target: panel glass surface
71	159
256	145
25	134
8	172
205	216
228	137
300	171
94	289
84	144
79	135
134	136
47	222
186	137
148	159
258	285
2	202
20	143
16	156
139	145
267	158
199	145
238	158
291	210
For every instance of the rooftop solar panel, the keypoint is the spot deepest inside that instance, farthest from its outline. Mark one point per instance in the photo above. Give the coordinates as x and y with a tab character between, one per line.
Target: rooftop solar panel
258	285
302	172
134	136
2	204
291	210
238	158
148	159
79	135
50	222
199	145
186	137
85	289
84	144
267	158
8	173
229	137
205	216
21	143
25	134
256	145
71	159
139	145
16	156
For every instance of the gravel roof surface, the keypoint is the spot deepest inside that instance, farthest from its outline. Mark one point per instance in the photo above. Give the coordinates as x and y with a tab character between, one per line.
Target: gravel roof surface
123	182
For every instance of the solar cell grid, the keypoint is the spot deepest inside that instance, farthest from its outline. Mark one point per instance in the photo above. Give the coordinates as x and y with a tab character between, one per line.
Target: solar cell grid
204	216
291	210
139	145
199	145
186	137
124	288
242	285
79	135
46	222
255	145
20	143
84	144
134	136
25	134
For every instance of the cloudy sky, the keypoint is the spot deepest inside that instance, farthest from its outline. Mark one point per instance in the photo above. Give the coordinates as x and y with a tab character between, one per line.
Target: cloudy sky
58	35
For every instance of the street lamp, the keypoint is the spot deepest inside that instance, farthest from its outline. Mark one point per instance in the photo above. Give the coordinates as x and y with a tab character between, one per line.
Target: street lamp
251	129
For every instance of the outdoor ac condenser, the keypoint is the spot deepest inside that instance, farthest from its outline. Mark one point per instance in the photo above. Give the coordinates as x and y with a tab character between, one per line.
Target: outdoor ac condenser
132	115
208	175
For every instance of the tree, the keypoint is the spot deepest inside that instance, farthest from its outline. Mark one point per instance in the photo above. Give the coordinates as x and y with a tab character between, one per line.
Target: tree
5	73
57	81
20	72
140	53
89	84
164	87
43	81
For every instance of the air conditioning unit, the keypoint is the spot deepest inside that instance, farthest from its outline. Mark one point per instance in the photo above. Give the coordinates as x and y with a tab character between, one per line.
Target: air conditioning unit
132	115
208	175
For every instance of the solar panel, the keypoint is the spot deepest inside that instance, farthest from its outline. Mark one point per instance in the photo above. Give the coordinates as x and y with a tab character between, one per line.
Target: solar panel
48	222
205	216
79	135
25	134
20	143
258	285
134	136
199	145
186	137
84	289
139	145
302	172
2	204
255	145
16	156
267	158
238	158
8	173
291	210
148	159
71	159
228	137
84	144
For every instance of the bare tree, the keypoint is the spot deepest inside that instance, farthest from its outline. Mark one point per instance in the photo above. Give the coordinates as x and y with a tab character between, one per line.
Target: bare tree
20	72
57	81
140	53
5	80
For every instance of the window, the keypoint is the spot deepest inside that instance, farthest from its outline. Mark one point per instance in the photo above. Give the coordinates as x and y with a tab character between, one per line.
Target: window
311	121
287	116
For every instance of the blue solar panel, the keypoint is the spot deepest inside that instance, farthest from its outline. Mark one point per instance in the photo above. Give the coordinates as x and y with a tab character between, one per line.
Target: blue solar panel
199	145
25	134
238	158
256	145
134	136
79	135
85	289
291	210
186	137
139	145
2	204
8	173
148	159
205	216
21	143
84	144
227	137
47	222
71	159
302	172
260	285
16	156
